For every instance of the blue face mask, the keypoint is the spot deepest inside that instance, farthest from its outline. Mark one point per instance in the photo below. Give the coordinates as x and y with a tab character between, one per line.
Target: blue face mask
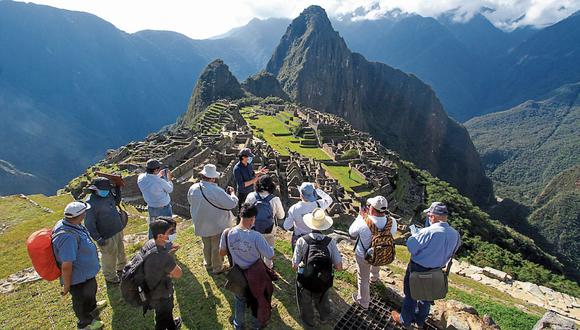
250	160
102	193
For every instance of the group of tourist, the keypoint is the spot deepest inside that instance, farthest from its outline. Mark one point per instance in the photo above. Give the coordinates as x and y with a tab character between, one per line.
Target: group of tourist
247	240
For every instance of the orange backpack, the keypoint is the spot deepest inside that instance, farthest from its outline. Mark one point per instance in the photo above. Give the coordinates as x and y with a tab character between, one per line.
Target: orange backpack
39	245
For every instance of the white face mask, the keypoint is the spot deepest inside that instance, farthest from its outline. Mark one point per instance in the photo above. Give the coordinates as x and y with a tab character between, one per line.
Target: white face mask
171	237
377	219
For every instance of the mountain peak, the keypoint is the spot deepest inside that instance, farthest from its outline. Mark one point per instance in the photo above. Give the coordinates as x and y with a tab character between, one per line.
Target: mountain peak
215	82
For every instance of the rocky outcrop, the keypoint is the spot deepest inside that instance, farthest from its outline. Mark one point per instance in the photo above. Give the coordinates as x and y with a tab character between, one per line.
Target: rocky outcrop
552	321
316	68
215	82
264	84
451	314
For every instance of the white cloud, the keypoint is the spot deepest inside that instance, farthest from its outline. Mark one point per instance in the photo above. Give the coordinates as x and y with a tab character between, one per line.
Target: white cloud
202	19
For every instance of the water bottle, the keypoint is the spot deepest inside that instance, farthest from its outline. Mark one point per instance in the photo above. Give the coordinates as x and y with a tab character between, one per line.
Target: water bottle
370	253
141	294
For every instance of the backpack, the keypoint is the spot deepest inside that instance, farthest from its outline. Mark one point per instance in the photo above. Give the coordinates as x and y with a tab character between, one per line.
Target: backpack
133	286
265	217
382	249
317	276
39	246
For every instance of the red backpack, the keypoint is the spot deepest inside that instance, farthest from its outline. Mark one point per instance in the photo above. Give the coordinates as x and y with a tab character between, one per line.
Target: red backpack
39	245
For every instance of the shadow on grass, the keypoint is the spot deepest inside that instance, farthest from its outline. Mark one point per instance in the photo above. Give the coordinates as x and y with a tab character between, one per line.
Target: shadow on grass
197	302
125	316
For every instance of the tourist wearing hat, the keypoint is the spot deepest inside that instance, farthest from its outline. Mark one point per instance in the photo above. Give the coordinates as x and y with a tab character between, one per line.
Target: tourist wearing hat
211	214
309	301
156	185
375	211
103	221
77	256
245	176
265	188
431	247
311	197
434	205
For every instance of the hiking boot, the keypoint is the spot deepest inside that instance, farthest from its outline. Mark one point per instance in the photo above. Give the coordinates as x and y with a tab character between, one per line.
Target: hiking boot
396	316
178	322
96	324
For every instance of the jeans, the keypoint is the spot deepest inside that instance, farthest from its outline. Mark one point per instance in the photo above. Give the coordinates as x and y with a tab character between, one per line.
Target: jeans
163	314
309	301
414	310
155	212
84	301
113	257
240	314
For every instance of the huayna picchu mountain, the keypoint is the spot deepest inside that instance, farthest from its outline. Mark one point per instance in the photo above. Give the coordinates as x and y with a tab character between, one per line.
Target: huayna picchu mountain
264	84
316	68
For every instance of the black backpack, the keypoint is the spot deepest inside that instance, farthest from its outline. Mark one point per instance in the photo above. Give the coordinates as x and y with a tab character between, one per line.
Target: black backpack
317	276
134	288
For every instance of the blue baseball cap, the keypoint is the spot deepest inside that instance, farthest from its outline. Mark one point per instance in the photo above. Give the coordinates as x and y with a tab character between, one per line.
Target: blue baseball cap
308	191
437	208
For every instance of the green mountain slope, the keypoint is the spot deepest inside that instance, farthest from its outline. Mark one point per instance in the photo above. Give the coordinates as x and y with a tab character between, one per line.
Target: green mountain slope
526	146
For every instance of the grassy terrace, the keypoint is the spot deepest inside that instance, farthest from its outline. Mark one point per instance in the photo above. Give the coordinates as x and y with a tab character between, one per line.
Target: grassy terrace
278	135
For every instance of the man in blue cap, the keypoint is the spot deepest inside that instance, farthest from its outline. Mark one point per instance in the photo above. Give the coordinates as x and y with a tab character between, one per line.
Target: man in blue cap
431	247
245	176
312	198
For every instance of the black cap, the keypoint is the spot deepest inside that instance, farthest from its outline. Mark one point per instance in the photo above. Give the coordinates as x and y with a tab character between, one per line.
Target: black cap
100	183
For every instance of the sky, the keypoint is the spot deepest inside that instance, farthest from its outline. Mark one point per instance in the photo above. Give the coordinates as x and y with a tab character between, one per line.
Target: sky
203	19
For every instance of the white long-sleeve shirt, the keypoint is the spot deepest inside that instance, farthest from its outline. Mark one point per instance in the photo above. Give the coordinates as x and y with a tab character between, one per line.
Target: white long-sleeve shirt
300	209
155	189
207	219
359	228
275	202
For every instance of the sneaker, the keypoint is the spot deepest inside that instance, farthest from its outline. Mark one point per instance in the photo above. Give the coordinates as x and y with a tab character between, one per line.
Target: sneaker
178	322
355	300
101	304
396	316
96	324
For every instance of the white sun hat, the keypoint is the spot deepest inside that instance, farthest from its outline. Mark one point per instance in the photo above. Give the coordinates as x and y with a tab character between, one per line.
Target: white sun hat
210	171
75	209
317	220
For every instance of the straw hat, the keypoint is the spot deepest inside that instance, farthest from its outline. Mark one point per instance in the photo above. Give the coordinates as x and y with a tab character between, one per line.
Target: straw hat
317	220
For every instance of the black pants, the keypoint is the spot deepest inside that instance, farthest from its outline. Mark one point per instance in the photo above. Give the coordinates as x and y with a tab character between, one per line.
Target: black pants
309	301
241	200
84	301
163	314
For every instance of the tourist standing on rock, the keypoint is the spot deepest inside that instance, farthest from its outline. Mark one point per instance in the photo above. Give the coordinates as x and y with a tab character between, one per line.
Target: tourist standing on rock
270	210
245	248
211	213
77	256
156	185
245	176
103	220
431	248
372	221
160	269
314	258
312	198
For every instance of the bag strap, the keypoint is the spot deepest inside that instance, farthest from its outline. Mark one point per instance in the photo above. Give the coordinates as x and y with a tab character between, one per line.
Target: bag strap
230	259
212	204
448	267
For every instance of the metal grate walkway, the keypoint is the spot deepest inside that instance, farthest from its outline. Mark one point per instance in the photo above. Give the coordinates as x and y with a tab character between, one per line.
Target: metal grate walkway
376	317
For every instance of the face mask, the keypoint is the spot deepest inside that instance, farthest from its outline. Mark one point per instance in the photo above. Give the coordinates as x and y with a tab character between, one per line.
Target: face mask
102	193
377	219
171	237
250	160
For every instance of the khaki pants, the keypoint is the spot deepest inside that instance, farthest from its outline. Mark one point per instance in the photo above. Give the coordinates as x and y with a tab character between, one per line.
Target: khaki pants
271	239
113	257
211	257
366	273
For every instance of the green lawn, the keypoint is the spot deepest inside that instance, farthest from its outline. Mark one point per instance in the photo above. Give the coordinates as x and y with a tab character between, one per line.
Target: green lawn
340	173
